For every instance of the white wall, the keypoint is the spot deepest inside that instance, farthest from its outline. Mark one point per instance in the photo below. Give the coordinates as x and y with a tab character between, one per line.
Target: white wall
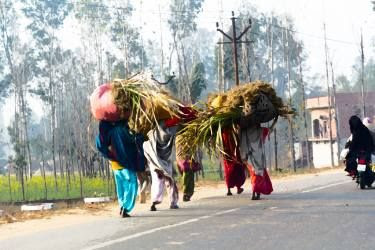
322	154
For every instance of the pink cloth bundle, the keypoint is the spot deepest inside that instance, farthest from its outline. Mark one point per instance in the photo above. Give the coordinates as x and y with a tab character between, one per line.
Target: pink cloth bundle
103	105
186	165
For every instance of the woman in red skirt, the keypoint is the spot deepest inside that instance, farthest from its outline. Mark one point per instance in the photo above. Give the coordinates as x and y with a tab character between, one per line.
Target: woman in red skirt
234	169
253	153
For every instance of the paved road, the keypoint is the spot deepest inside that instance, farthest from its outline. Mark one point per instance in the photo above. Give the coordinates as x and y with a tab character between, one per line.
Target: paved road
325	212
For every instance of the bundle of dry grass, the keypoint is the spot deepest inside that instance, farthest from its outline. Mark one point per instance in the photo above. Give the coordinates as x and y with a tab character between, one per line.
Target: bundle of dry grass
245	105
146	101
249	98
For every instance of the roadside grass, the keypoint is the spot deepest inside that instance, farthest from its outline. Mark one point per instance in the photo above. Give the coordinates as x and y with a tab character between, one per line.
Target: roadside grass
301	171
96	186
35	188
99	187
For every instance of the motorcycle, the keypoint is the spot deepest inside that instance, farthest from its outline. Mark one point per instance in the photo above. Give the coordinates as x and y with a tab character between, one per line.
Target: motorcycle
365	175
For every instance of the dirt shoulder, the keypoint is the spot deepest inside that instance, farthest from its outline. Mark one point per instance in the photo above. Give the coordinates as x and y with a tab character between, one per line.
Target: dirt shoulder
19	223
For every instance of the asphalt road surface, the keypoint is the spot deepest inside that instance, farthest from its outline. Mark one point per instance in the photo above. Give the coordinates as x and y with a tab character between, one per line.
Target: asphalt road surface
325	212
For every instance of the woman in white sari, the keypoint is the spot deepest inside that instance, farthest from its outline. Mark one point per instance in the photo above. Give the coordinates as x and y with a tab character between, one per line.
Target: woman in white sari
158	152
253	153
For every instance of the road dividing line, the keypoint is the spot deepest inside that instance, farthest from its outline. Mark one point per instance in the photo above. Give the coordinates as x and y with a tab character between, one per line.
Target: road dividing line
226	211
327	186
122	239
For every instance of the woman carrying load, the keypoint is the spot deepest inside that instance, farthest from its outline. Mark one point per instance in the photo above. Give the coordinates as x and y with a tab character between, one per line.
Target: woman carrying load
253	153
118	144
158	152
234	169
124	151
187	166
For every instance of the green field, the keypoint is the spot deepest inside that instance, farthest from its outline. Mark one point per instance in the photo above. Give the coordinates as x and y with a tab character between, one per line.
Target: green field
35	188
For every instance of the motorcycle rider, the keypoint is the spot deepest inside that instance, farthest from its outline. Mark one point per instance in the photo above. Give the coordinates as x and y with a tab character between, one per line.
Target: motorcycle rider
361	143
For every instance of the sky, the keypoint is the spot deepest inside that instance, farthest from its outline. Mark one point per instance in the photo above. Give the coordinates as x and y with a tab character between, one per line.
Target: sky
344	21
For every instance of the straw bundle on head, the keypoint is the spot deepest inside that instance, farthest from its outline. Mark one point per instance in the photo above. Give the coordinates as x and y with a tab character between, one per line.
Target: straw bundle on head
247	96
147	102
245	105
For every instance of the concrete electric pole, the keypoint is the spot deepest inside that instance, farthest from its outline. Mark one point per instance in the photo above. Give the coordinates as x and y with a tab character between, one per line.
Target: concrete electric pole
234	40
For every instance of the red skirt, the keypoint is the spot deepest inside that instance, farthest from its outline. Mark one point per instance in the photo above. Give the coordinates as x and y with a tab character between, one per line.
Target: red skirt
234	169
234	174
260	184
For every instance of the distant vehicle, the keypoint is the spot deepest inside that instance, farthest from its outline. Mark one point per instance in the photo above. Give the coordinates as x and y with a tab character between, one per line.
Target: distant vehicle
365	175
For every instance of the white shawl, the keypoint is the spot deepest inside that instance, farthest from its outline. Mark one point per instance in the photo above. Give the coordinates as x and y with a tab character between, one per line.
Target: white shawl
158	149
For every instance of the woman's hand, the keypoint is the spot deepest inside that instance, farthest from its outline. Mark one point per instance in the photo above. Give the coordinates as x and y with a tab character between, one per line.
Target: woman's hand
159	173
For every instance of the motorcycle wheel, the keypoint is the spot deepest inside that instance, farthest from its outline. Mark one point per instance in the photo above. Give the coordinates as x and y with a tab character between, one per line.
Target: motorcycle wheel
362	183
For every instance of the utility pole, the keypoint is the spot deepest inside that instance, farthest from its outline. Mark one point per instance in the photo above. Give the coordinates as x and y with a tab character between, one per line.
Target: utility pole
304	109
329	97
221	86
363	79
291	129
220	60
141	21
338	139
273	85
234	40
161	45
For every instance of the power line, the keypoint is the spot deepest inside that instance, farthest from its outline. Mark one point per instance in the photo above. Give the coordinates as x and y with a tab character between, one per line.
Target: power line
188	13
305	34
234	40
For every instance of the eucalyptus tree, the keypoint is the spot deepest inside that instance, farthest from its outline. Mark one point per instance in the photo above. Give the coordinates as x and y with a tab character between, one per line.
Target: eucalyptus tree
127	39
182	24
201	47
369	75
198	81
343	83
46	18
94	18
17	73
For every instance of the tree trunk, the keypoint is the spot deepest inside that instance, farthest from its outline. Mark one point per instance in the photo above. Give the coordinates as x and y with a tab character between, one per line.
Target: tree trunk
9	182
43	172
52	114
24	119
291	127
80	175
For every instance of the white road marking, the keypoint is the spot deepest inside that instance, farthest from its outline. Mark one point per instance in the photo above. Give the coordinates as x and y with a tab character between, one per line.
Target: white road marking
136	235
175	243
226	211
327	186
129	237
